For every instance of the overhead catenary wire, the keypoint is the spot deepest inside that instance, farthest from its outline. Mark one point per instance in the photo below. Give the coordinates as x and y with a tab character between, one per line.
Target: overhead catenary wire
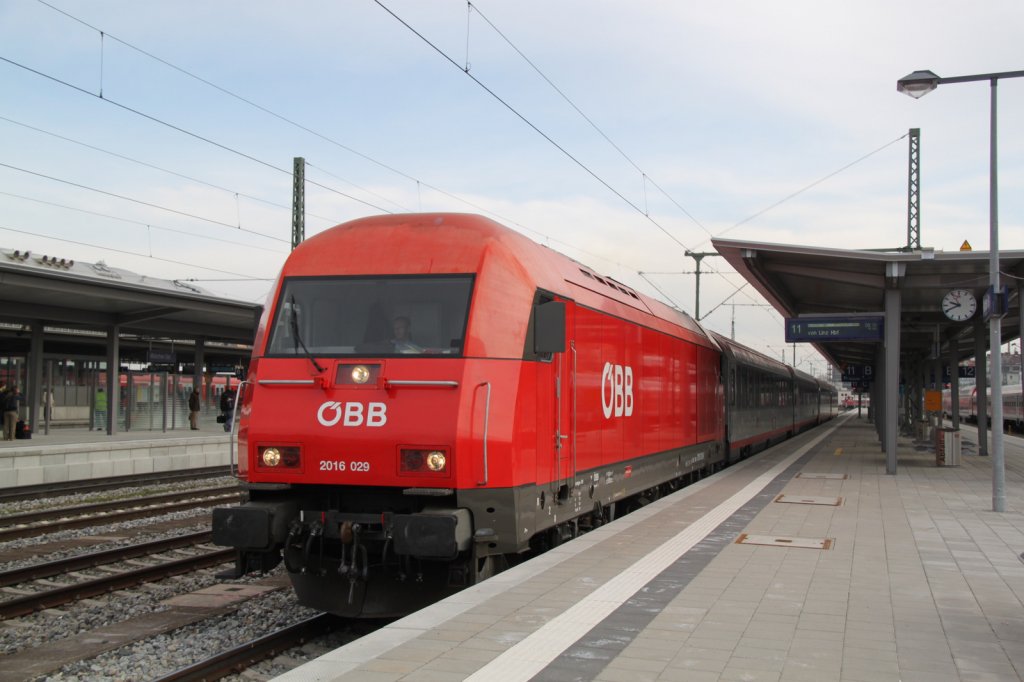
585	117
811	185
179	129
317	184
314	132
532	125
347	148
419	183
129	253
140	222
471	8
550	140
154	166
229	93
362	189
140	201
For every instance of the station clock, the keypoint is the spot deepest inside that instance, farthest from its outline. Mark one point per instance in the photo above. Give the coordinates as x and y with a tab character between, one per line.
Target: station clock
959	305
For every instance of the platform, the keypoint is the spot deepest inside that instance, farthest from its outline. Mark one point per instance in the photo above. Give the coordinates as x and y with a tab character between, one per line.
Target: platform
865	577
71	454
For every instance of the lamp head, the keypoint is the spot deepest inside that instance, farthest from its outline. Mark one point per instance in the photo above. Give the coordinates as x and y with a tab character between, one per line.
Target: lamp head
917	84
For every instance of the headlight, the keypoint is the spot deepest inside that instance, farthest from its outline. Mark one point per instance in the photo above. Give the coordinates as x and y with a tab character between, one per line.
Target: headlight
422	461
436	461
364	375
278	457
271	457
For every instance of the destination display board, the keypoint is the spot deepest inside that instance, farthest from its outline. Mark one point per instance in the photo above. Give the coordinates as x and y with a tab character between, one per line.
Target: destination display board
963	371
837	328
158	356
862	373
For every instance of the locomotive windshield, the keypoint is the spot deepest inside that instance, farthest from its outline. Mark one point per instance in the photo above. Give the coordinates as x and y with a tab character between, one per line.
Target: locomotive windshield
375	316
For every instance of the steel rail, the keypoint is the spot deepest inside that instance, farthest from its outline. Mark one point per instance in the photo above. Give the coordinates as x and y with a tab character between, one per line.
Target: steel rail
62	512
25	527
58	596
247	654
93	559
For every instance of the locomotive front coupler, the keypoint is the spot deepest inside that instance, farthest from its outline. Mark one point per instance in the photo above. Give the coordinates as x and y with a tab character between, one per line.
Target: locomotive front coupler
314	539
372	527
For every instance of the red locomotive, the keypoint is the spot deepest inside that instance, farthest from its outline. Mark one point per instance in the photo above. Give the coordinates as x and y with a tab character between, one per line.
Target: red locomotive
434	396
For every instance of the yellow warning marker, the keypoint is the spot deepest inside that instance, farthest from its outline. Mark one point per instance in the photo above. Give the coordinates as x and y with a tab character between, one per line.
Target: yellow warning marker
839	451
966	246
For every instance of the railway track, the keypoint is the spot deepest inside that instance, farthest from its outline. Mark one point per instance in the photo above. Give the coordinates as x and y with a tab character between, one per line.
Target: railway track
31	524
93	559
117	579
245	655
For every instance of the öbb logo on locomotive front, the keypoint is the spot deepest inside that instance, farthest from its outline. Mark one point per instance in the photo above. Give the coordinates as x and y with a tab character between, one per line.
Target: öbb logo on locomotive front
353	414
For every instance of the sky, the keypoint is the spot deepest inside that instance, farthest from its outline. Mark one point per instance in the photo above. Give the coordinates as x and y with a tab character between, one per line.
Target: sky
159	137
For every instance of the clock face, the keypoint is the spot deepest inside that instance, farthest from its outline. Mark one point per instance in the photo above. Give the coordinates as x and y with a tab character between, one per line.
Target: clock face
959	305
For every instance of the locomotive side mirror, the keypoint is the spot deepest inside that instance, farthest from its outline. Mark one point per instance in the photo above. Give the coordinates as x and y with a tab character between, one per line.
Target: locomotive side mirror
549	327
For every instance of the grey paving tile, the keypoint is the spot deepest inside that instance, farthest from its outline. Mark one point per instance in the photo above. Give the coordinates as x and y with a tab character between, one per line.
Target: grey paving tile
740	662
775	646
423	675
973	676
681	675
883	668
625	662
453	665
620	675
865	676
369	676
389	665
928	676
748	675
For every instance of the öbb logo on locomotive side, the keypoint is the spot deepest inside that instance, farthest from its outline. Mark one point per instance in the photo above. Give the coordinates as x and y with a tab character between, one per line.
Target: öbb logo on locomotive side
617	390
352	414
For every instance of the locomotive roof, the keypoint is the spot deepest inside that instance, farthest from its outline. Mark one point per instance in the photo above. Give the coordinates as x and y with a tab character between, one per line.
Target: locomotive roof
509	268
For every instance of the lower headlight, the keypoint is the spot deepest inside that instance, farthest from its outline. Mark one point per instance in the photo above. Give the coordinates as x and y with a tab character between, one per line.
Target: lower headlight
436	461
423	461
278	457
271	457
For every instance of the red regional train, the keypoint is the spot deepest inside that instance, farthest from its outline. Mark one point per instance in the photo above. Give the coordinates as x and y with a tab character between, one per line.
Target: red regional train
433	397
1013	405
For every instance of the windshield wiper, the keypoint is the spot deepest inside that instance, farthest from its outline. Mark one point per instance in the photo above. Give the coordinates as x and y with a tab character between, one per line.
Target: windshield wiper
298	337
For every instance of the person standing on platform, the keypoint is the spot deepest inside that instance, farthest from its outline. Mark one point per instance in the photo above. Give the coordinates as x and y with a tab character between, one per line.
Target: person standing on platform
100	407
12	401
47	401
227	408
193	409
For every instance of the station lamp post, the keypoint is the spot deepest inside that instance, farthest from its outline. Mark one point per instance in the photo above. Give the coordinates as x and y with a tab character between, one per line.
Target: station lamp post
918	84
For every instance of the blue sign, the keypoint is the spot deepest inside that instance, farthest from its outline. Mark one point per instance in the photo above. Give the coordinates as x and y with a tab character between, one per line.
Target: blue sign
995	303
835	328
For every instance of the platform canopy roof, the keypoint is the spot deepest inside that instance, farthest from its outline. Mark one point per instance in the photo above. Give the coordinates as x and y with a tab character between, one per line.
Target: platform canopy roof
94	296
805	281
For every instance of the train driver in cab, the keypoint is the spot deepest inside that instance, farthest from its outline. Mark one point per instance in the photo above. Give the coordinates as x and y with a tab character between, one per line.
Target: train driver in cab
402	338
